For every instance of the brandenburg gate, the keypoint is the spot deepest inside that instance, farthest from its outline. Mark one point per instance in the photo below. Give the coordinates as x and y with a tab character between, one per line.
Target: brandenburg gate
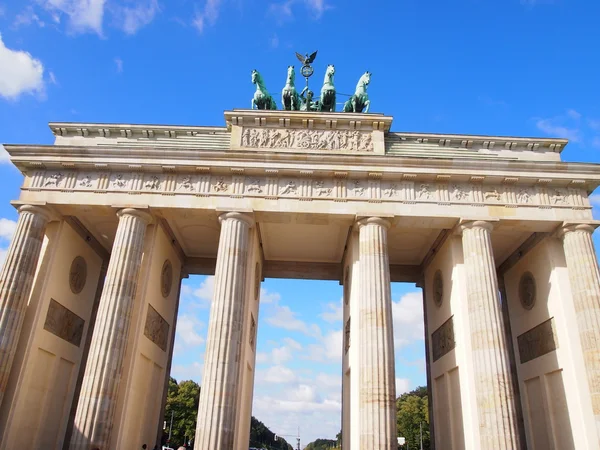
497	231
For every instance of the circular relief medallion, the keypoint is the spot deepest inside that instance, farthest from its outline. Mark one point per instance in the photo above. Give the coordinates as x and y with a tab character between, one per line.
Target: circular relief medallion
527	290
438	288
256	281
77	275
166	278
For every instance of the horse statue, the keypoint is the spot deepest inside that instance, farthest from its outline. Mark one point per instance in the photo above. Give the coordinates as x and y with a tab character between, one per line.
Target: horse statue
359	102
289	96
262	99
327	102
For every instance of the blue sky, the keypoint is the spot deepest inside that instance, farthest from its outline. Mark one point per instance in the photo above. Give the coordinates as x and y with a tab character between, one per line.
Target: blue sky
512	67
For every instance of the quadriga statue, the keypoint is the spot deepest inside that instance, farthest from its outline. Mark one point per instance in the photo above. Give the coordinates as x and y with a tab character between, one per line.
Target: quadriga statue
262	99
289	96
359	102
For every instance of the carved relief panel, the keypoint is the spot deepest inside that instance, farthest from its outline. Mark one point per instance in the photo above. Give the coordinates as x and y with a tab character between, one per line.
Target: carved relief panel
308	139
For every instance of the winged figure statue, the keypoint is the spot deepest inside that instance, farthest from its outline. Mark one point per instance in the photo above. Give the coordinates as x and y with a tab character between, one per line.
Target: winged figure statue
306	59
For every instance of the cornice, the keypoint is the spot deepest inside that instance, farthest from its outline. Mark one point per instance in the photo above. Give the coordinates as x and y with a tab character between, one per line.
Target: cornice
149	159
128	130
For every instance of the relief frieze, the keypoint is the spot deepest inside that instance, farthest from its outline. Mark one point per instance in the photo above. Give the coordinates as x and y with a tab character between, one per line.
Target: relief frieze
308	187
156	328
442	339
64	323
343	140
538	341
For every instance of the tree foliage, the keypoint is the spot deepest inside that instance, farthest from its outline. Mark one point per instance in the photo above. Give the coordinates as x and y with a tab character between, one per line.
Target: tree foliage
262	437
322	444
412	413
182	403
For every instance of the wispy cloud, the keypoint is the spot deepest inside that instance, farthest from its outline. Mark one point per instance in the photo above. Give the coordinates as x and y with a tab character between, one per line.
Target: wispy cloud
21	73
552	127
119	65
283	11
274	41
206	16
28	17
85	16
132	18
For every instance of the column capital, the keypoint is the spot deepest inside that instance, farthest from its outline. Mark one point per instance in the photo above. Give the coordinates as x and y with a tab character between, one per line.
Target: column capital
385	223
568	227
140	214
242	217
467	224
37	210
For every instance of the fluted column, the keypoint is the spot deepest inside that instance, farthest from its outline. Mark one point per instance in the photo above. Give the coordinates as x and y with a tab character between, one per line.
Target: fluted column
216	425
376	347
585	288
496	414
16	280
98	397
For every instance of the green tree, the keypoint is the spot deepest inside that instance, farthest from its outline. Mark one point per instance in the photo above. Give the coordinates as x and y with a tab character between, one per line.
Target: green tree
413	412
262	437
182	403
322	444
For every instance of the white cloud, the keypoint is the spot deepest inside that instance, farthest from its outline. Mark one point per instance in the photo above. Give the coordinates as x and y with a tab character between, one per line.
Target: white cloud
334	312
3	252
596	142
276	374
21	73
573	114
7	228
2	10
555	129
119	64
402	386
187	331
206	290
280	354
131	19
283	317
318	7
52	78
408	319
28	17
4	156
207	16
188	372
269	297
84	15
283	11
328	350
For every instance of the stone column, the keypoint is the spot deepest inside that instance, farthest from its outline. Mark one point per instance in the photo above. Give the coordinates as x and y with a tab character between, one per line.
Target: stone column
216	412
496	413
98	396
376	347
585	288
16	280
